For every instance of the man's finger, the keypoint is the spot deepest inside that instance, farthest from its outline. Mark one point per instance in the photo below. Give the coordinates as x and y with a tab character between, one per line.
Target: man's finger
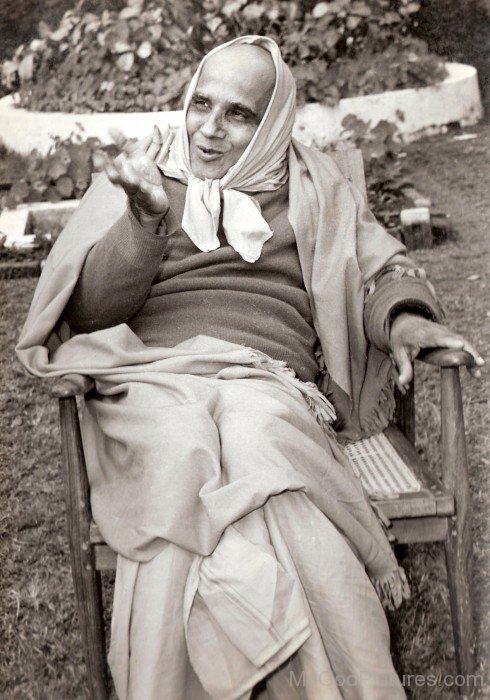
121	173
457	342
401	356
110	170
155	144
478	358
166	146
138	147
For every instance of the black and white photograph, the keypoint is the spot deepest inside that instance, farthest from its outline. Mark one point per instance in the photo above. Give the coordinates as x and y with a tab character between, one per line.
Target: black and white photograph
244	347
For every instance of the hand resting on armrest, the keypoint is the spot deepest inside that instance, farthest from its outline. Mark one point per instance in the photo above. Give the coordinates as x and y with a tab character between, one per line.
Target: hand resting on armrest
411	333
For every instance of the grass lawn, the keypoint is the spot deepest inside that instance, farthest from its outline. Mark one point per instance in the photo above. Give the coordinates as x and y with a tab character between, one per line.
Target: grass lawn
41	648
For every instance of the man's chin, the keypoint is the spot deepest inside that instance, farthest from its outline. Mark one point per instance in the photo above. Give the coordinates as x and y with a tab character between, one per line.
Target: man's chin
207	173
211	170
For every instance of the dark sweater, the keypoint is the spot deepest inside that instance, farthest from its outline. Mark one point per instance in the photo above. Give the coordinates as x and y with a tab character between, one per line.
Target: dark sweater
167	290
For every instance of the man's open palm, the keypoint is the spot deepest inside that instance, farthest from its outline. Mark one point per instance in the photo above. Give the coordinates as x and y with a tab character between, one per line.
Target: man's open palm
136	171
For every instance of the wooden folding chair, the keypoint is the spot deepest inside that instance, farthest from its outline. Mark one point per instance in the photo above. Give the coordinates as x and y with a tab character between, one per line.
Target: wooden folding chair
432	511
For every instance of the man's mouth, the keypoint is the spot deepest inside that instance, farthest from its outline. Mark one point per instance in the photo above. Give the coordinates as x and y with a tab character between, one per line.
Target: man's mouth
208	153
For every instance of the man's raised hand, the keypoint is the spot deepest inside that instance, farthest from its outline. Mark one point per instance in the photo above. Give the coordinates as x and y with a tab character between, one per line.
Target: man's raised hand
136	171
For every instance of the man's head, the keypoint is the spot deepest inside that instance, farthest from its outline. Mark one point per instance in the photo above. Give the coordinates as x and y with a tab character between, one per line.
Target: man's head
227	106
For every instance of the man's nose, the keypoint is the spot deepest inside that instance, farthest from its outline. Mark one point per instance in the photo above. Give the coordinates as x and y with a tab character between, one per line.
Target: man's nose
212	126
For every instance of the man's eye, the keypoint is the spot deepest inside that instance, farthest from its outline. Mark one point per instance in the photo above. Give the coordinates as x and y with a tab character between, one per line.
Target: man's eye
238	115
199	102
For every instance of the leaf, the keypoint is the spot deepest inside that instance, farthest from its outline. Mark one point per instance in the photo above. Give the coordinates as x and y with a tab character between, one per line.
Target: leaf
18	192
383	131
76	35
129	13
120	47
253	11
232	7
320	9
331	38
353	22
213	24
26	68
37	45
273	14
125	61
118	33
53	195
155	32
57	169
9	72
39	186
144	50
64	186
412	7
361	9
356	126
61	33
390	18
44	29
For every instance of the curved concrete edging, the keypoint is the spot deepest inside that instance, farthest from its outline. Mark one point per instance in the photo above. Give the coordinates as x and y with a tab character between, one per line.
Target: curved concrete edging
414	111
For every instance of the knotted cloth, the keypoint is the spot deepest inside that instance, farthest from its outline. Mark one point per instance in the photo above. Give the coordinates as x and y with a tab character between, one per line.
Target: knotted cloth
261	168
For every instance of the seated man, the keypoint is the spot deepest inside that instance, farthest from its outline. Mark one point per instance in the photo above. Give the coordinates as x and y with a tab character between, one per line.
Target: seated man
202	281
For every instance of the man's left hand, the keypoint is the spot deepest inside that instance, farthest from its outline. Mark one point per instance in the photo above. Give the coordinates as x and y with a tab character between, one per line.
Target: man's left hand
410	333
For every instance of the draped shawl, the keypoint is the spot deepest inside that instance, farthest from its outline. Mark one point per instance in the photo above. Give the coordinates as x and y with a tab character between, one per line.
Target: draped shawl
340	248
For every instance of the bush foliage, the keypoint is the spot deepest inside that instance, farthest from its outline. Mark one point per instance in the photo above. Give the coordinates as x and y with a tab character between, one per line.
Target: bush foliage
141	58
65	173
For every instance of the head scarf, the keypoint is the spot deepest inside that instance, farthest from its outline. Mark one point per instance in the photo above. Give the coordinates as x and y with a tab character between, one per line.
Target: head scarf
262	167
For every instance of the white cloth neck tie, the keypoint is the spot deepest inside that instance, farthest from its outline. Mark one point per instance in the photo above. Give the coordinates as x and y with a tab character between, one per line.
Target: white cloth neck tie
261	168
244	227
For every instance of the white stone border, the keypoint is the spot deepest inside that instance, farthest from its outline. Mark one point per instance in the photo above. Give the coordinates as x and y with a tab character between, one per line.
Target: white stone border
413	111
16	224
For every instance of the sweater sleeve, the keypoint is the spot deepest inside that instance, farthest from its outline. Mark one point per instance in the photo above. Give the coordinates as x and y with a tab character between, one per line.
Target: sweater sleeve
117	275
399	285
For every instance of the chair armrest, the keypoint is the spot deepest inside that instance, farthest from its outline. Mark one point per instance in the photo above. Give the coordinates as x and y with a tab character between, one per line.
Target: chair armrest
446	357
71	385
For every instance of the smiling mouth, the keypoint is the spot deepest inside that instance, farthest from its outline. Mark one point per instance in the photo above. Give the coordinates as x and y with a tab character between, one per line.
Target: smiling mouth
208	153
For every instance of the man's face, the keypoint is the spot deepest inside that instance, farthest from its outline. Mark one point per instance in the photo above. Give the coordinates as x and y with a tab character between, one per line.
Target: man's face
226	108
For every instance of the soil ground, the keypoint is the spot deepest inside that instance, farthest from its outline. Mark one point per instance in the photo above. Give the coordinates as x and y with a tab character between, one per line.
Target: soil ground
40	641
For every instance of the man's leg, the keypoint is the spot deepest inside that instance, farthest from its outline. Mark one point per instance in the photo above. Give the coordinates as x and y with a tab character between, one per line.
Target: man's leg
349	645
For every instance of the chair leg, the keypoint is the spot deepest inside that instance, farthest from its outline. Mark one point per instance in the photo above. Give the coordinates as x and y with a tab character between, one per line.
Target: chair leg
88	595
86	579
458	541
458	563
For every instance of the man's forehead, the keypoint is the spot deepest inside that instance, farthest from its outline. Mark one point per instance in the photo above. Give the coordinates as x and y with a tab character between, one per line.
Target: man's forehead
246	71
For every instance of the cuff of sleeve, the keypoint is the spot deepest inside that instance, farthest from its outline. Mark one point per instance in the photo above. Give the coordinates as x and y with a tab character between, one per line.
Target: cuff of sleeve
167	226
134	244
407	294
170	224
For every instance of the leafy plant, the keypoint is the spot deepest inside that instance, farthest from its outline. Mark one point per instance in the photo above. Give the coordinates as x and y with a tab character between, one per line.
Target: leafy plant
65	173
141	58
